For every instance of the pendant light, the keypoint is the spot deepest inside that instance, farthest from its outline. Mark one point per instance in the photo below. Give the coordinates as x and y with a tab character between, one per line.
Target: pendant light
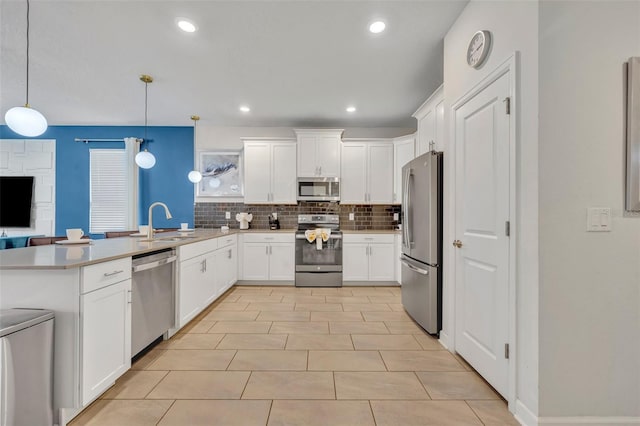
25	120
145	159
194	175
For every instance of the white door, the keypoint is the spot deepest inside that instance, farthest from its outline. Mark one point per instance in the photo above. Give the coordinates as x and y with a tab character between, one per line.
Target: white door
307	161
283	173
380	173
257	169
426	132
403	152
482	209
282	261
353	183
256	261
328	155
382	262
355	261
191	277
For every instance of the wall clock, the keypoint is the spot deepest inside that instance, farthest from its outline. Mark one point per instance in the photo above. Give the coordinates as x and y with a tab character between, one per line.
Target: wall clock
478	48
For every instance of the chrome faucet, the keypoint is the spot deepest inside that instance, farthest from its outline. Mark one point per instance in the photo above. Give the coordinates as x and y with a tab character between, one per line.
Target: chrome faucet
166	211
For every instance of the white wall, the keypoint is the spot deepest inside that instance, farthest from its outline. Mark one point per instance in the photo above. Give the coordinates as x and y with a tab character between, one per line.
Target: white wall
514	27
589	282
37	158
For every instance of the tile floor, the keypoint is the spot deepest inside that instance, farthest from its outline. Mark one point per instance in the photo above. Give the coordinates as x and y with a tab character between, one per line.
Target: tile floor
300	356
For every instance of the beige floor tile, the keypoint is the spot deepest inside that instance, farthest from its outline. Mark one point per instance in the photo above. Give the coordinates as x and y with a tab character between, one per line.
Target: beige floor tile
370	291
122	412
378	385
134	384
193	359
230	297
241	327
336	316
253	341
347	299
320	413
295	298
198	327
365	307
145	360
428	343
386	316
493	413
385	341
192	341
423	413
201	385
396	307
222	412
345	361
251	291
270	359
291	290
324	291
420	361
348	327
260	298
384	299
231	315
319	307
300	327
404	327
290	385
268	306
464	362
320	342
456	385
284	316
235	306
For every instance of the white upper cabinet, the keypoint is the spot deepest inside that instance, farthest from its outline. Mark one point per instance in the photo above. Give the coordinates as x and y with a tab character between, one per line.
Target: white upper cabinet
269	172
319	152
403	152
430	118
367	172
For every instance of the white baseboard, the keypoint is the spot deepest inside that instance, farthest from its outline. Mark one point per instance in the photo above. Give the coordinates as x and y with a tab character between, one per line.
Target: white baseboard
524	415
591	421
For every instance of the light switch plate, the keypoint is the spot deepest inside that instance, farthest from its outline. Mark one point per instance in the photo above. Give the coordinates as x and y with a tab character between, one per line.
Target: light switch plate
227	215
351	216
598	219
395	216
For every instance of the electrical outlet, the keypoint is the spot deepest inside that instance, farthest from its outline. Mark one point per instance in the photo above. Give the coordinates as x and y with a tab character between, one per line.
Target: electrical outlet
351	216
275	215
395	216
227	215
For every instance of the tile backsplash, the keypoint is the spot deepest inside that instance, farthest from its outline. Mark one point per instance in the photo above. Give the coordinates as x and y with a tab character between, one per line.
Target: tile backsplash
378	217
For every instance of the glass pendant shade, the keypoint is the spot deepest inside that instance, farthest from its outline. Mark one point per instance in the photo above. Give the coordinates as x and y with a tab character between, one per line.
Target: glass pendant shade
26	121
145	159
195	176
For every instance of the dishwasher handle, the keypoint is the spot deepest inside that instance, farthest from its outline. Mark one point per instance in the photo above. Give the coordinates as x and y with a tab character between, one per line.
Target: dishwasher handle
151	265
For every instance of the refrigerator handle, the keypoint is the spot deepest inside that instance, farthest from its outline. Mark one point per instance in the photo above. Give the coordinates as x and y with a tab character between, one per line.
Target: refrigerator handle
414	268
406	226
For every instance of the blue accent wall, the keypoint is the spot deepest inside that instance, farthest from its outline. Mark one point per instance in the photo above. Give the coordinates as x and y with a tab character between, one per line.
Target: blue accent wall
166	181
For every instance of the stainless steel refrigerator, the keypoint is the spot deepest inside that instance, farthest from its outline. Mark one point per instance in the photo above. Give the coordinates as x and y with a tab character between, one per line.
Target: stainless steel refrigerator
422	240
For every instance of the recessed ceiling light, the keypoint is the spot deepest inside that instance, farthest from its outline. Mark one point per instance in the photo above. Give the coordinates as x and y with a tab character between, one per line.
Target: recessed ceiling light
377	27
186	25
245	108
351	109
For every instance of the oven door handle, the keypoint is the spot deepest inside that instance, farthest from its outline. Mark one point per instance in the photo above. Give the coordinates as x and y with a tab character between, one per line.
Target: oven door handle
331	237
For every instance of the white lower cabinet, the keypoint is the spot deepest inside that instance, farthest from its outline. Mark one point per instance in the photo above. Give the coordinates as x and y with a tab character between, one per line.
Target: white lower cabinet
226	268
369	257
268	257
105	336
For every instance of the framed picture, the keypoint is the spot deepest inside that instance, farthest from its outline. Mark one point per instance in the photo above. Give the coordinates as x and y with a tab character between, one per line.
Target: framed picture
633	135
221	174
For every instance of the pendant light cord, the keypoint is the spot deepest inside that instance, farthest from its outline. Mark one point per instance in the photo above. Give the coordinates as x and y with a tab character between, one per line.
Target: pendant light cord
27	103
146	85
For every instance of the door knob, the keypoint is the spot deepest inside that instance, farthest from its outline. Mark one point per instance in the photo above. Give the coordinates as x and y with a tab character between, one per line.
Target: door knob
457	243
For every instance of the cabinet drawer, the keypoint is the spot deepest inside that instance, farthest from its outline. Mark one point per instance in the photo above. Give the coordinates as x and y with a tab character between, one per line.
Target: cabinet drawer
227	241
104	274
188	251
369	238
269	238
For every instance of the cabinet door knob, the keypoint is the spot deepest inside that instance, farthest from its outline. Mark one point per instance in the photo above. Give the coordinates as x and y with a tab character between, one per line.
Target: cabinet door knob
457	243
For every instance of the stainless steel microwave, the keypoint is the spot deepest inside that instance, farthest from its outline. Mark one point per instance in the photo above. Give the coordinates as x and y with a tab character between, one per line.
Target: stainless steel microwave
318	189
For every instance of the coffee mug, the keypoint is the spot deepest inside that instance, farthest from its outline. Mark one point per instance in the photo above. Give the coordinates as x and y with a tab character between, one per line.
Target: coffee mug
143	229
184	226
74	234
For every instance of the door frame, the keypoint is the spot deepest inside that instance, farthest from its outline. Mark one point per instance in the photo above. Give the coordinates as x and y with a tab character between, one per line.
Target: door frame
510	65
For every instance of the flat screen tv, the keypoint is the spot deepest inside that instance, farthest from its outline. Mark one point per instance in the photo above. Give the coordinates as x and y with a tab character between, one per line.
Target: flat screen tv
15	201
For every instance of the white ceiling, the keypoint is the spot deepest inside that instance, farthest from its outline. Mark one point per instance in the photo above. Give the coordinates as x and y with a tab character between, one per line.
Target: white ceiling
295	63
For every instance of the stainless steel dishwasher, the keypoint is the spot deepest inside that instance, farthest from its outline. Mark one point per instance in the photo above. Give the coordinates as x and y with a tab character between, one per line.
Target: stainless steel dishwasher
152	297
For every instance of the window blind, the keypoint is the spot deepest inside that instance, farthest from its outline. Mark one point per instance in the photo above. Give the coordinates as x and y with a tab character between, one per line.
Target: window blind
109	197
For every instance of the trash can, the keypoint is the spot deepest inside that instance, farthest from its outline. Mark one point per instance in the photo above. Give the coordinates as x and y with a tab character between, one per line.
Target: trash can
26	367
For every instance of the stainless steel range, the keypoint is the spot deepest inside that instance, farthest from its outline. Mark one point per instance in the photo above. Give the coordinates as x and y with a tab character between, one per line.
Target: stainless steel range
318	264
